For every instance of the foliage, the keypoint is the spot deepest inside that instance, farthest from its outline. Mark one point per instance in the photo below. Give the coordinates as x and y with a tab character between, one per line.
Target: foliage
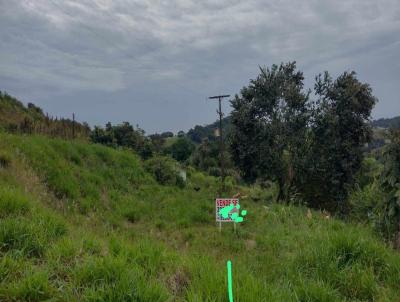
164	170
206	155
310	148
340	129
366	206
198	133
391	186
269	126
158	141
207	158
167	134
181	149
370	170
376	201
123	135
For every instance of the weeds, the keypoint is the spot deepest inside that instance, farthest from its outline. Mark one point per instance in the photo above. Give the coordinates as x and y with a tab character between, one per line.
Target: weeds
171	250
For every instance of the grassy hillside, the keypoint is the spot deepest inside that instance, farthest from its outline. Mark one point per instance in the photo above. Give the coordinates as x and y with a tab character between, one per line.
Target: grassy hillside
15	117
81	222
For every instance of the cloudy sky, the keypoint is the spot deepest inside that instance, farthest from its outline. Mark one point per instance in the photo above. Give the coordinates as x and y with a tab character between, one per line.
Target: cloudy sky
153	63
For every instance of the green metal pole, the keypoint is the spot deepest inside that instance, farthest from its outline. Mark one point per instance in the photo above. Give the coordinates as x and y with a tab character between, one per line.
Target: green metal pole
230	293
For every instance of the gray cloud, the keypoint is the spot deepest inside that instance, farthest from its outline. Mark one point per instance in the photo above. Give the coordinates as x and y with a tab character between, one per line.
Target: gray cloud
154	62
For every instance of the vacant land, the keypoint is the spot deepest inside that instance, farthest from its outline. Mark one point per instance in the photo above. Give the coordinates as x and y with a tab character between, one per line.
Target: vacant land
84	222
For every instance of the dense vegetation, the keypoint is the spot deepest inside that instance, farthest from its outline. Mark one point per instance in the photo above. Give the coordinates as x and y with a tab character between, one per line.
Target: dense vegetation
313	148
87	222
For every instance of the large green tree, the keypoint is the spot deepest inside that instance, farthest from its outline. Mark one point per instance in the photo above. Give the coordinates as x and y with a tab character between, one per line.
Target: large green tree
312	148
340	129
269	121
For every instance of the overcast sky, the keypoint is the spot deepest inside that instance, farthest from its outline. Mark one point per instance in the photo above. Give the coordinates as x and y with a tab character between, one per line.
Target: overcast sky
153	63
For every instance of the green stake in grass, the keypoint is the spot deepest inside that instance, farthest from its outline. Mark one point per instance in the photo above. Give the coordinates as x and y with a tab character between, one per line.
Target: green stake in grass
230	294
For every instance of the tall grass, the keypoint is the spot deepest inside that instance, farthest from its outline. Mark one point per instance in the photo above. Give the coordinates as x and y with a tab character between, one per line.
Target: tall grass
128	238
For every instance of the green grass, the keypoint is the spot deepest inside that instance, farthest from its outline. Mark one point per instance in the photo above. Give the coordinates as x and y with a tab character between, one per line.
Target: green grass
81	222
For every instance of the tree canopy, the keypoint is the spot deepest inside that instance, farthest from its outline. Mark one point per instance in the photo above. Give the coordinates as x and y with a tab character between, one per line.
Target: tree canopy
310	147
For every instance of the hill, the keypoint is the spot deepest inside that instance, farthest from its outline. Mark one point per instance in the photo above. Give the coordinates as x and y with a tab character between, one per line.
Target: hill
84	222
387	123
17	118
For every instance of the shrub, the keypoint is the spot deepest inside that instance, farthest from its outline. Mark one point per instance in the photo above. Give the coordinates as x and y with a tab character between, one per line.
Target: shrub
364	203
258	194
164	170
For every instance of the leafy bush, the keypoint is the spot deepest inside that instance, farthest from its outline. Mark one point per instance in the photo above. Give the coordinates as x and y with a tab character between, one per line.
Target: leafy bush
365	203
181	149
258	194
370	170
164	170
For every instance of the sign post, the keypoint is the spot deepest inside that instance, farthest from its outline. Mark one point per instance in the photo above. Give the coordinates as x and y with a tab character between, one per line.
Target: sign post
221	203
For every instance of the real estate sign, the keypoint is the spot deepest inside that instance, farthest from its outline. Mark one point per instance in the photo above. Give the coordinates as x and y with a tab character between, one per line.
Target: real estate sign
221	203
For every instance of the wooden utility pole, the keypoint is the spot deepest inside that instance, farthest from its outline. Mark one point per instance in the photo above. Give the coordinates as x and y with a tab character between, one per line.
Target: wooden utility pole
221	139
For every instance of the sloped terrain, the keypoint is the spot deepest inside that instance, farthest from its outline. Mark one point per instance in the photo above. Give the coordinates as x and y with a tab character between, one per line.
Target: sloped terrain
83	222
15	117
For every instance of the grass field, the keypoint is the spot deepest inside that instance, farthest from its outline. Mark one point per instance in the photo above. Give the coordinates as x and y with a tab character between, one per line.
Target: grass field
82	222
